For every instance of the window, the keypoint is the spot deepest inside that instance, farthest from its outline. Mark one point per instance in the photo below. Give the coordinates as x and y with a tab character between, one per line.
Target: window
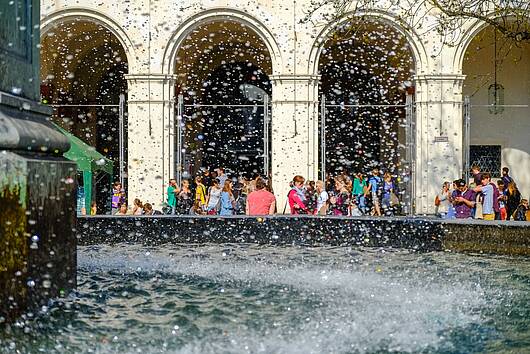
487	157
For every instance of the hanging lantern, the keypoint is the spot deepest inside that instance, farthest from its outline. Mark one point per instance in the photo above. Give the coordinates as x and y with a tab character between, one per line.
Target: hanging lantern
496	98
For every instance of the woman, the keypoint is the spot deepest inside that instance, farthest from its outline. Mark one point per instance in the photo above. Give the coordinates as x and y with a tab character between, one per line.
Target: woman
241	200
200	193
443	201
311	197
214	198
227	199
296	196
122	210
118	197
513	199
389	196
339	203
322	198
184	199
359	190
138	208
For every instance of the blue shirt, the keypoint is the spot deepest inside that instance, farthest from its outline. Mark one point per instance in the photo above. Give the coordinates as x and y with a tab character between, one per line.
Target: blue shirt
374	183
226	204
487	203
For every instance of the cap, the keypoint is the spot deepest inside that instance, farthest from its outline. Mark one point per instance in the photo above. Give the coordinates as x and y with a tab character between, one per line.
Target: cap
460	183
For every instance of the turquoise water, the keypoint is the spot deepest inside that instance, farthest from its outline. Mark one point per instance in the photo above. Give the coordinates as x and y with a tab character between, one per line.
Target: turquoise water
264	299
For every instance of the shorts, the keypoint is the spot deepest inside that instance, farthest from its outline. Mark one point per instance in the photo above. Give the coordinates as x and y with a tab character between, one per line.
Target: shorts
488	216
375	199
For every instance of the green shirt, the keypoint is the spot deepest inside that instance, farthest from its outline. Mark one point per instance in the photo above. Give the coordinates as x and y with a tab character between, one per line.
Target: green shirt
358	186
171	199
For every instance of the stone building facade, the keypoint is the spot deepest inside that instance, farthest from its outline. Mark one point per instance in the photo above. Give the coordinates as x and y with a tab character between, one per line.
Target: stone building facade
169	44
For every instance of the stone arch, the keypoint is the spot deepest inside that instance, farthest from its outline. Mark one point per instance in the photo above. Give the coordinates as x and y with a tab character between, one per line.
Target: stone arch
467	37
419	53
80	13
220	14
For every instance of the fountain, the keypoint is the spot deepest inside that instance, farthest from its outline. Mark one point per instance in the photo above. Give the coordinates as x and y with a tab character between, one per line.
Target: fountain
37	191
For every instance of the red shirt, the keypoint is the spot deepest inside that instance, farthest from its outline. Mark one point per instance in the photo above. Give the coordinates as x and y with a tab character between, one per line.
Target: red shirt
259	202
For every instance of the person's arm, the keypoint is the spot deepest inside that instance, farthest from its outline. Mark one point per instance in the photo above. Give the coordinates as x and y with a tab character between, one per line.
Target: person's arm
469	203
368	188
477	189
209	195
299	204
272	208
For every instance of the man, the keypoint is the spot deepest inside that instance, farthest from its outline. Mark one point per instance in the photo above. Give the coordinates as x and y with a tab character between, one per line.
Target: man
172	191
375	187
148	210
221	176
206	179
463	200
506	178
490	197
502	199
261	201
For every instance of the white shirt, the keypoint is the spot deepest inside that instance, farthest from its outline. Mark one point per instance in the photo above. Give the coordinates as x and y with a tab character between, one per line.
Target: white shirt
322	199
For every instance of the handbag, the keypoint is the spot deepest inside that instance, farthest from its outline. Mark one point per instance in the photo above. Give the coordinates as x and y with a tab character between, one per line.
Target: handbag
437	201
394	200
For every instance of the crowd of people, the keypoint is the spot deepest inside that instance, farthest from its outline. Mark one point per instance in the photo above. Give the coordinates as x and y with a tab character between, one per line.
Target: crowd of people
483	199
215	193
346	195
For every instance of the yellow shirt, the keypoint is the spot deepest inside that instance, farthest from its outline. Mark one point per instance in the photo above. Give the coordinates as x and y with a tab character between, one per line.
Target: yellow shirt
200	194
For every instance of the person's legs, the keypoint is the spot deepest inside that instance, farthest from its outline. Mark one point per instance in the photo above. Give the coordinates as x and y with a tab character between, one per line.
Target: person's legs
377	204
488	217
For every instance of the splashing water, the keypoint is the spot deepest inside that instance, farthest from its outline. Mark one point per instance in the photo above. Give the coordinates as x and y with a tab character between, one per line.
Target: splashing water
256	299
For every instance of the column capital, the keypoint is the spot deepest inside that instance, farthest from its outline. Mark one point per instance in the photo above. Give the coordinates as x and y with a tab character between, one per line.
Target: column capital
290	78
142	77
457	78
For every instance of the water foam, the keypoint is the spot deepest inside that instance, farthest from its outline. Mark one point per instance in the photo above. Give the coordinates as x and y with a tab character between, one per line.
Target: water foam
363	307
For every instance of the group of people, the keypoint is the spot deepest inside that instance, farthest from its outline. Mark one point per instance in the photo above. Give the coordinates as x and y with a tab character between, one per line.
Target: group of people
345	195
119	204
483	200
214	193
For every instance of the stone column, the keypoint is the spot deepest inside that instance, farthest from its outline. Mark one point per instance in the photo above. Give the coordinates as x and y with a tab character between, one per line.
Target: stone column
294	132
151	142
439	154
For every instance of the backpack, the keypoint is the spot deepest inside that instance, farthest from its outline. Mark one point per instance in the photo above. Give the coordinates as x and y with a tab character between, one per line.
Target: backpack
496	195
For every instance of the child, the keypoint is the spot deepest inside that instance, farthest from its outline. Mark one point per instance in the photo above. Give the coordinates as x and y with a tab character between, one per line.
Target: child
520	212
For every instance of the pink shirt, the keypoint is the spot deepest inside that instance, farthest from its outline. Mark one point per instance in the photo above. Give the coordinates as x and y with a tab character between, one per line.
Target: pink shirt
259	202
294	199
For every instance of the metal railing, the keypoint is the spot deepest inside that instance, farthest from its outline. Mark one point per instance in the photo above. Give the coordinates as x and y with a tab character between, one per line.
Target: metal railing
410	138
466	127
180	157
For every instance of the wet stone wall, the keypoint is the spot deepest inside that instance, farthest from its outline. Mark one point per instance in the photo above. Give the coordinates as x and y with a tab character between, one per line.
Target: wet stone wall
38	248
301	230
422	234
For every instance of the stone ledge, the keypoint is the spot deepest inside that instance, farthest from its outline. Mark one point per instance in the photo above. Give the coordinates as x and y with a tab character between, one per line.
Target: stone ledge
422	234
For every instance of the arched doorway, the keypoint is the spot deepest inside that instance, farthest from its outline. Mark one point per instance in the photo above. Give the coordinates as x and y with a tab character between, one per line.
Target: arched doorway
497	92
366	70
83	68
223	70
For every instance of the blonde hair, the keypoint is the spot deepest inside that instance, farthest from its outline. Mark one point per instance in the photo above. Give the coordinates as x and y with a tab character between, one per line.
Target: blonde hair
512	187
228	187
